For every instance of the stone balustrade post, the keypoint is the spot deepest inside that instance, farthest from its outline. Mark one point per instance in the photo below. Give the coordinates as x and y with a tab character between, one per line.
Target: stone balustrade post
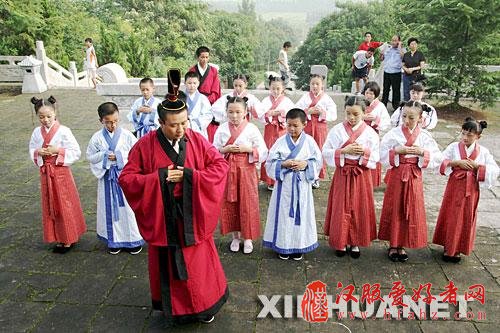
74	72
42	56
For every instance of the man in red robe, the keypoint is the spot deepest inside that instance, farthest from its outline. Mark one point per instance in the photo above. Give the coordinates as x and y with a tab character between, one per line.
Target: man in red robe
209	83
174	180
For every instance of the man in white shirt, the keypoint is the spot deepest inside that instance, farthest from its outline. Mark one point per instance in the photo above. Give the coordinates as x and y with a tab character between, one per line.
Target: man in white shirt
283	62
362	62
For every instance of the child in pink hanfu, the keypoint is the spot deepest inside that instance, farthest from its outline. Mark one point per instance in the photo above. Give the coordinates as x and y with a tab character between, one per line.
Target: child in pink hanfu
469	167
240	83
53	148
319	108
406	150
276	106
352	147
244	148
377	117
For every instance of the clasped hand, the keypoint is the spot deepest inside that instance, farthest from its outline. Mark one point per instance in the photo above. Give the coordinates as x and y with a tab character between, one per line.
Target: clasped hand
175	175
295	165
467	164
353	149
236	149
413	150
49	151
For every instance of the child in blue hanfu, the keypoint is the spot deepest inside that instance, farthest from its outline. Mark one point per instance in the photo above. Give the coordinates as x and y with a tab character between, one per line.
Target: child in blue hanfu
294	161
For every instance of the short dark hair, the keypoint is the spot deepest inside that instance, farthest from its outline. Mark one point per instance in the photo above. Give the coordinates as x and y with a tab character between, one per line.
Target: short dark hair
88	39
373	86
191	75
287	44
106	109
417	87
472	125
358	100
412	39
201	49
371	49
237	100
368	33
39	102
296	113
241	77
312	76
146	80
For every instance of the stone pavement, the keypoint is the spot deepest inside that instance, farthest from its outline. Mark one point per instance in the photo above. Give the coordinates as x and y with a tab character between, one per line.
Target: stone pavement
90	290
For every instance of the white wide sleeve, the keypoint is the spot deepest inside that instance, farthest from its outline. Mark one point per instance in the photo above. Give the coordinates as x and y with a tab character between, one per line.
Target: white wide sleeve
95	155
69	151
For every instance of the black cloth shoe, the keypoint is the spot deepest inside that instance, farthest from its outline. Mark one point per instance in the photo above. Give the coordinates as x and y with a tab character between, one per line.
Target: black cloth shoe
283	256
134	250
208	320
394	256
61	249
355	254
403	257
340	253
114	250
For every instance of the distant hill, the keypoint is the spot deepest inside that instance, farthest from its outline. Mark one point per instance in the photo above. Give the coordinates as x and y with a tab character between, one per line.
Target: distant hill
303	13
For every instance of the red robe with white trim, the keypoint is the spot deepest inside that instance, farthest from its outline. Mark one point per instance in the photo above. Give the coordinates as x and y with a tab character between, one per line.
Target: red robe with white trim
317	123
62	214
240	206
178	221
350	216
456	223
403	221
275	126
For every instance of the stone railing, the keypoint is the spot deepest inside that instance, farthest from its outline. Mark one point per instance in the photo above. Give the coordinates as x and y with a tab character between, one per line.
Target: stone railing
9	70
60	77
53	74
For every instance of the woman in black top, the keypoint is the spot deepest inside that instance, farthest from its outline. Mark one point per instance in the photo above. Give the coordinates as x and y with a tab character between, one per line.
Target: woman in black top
413	63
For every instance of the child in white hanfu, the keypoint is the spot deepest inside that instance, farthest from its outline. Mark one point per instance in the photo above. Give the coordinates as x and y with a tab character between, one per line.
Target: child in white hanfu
107	153
294	162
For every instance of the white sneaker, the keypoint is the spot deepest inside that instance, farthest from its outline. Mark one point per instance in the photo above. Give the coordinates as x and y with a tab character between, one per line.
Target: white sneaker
235	245
247	246
315	184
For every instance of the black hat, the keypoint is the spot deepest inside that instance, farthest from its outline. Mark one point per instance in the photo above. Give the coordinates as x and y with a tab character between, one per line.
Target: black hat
172	103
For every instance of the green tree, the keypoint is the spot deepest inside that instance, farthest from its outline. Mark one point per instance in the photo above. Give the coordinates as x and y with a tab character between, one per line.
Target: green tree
333	41
232	44
460	36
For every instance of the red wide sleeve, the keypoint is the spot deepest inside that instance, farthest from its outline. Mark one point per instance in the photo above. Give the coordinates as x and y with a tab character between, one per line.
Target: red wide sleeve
143	192
208	189
215	91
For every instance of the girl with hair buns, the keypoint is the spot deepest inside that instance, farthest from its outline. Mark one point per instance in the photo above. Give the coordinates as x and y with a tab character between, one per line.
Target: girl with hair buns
469	167
319	108
406	150
53	148
244	148
276	106
254	107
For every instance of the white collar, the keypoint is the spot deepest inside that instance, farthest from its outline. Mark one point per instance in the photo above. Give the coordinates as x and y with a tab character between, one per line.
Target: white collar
470	149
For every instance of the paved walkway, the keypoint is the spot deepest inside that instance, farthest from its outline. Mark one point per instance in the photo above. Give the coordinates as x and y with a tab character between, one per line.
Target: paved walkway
90	290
